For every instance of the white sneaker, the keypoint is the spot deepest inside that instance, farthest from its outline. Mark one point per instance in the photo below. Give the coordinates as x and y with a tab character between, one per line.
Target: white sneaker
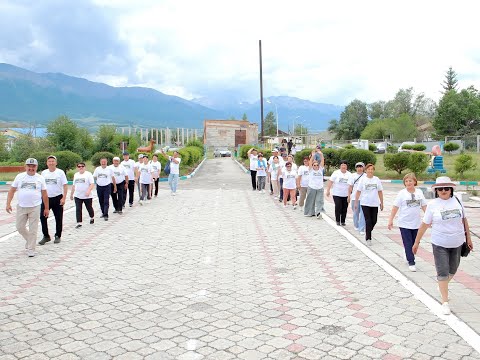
30	253
174	194
140	202
362	232
284	205
369	242
412	268
446	308
294	207
356	228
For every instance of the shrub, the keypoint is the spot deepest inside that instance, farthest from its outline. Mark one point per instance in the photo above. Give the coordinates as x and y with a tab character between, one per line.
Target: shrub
372	147
332	158
70	174
102	154
195	154
301	154
449	147
464	163
67	160
266	153
419	147
244	149
397	162
197	143
185	155
41	157
418	162
392	149
352	156
349	146
407	147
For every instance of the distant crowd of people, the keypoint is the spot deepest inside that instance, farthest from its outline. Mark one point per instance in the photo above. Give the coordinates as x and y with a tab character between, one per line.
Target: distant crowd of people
363	191
37	194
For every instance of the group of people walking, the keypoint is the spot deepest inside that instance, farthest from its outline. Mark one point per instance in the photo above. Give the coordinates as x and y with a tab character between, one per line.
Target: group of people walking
363	191
40	193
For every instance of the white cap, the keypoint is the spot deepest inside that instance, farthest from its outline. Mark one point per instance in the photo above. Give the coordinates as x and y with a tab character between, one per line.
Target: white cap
116	158
31	161
140	156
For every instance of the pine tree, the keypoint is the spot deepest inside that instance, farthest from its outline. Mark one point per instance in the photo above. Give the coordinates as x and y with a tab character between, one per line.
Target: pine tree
244	117
450	82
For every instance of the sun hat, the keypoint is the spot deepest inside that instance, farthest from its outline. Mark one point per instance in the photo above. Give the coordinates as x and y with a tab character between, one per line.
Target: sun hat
443	181
359	164
275	150
140	156
31	161
52	157
116	158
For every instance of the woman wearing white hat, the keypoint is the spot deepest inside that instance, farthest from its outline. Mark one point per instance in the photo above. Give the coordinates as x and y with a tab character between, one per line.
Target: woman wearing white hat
446	215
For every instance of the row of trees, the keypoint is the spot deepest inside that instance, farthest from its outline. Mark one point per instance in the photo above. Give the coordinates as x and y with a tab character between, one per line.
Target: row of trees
409	114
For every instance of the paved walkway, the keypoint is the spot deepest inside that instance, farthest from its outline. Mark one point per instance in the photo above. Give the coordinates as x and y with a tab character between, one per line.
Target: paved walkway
217	272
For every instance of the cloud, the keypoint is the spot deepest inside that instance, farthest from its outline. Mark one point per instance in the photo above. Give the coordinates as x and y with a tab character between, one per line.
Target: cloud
321	51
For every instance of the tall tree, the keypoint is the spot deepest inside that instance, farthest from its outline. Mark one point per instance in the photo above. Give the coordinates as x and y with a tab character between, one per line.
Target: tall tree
376	110
108	139
450	82
3	148
270	124
353	120
63	133
244	117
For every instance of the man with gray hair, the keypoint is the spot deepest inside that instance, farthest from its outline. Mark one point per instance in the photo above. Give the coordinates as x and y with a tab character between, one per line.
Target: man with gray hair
31	190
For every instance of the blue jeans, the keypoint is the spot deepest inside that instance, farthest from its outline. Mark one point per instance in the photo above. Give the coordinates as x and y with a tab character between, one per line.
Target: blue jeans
173	182
408	238
358	218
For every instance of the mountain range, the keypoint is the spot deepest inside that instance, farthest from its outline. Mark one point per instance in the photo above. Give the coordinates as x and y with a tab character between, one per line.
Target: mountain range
28	97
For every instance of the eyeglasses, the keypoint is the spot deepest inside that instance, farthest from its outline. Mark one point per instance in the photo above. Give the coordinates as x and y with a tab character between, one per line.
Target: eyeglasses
444	188
80	166
316	165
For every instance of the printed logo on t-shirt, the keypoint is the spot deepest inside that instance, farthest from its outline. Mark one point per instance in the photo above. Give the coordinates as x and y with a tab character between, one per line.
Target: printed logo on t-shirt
413	203
290	176
317	174
51	181
102	176
127	166
342	180
29	186
80	181
305	172
144	170
451	214
154	167
117	173
370	187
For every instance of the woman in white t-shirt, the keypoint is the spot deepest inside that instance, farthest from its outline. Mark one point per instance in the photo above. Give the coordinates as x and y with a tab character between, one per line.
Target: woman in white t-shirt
83	185
314	200
370	197
302	181
446	216
339	181
289	185
156	169
408	203
274	171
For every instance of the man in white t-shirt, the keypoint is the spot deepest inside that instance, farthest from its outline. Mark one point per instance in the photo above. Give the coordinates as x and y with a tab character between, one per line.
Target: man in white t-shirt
253	158
144	179
121	180
174	175
129	166
31	190
57	187
103	175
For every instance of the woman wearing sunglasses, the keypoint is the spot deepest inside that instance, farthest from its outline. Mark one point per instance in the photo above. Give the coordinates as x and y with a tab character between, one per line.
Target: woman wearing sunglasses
83	185
446	215
408	203
314	200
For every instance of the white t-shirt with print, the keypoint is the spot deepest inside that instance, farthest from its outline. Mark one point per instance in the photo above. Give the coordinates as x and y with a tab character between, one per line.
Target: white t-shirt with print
410	208
175	168
103	176
354	180
156	168
340	183
55	180
119	173
273	169
262	167
129	165
315	180
445	216
369	188
253	162
304	172
145	171
29	189
289	179
82	182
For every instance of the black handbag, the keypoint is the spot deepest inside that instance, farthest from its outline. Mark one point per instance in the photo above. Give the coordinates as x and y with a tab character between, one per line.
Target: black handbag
465	249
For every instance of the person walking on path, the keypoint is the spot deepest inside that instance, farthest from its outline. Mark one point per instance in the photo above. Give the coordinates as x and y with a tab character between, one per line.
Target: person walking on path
83	184
283	161
302	181
136	171
156	169
174	175
408	203
31	190
270	162
273	173
358	218
144	179
289	185
446	216
104	177
57	189
369	196
261	173
252	156
121	181
314	200
339	182
129	166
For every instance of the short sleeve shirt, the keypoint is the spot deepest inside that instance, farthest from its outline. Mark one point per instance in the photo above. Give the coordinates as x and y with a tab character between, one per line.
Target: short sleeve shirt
55	180
340	183
410	208
369	188
82	183
104	176
29	189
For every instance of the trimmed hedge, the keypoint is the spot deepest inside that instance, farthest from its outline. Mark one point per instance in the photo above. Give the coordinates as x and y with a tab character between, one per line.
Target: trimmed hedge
449	147
418	162
352	156
301	154
102	154
372	147
41	157
397	162
419	147
67	160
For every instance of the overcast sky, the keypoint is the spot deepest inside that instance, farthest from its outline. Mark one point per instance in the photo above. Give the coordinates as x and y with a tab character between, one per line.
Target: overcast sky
322	51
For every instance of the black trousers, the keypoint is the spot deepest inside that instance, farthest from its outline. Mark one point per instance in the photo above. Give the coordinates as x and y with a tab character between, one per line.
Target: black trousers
253	174
103	193
54	205
371	214
78	208
156	185
280	188
341	206
118	198
131	190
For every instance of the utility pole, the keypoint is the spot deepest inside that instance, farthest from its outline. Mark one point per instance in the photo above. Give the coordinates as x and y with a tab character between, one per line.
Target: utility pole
261	89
